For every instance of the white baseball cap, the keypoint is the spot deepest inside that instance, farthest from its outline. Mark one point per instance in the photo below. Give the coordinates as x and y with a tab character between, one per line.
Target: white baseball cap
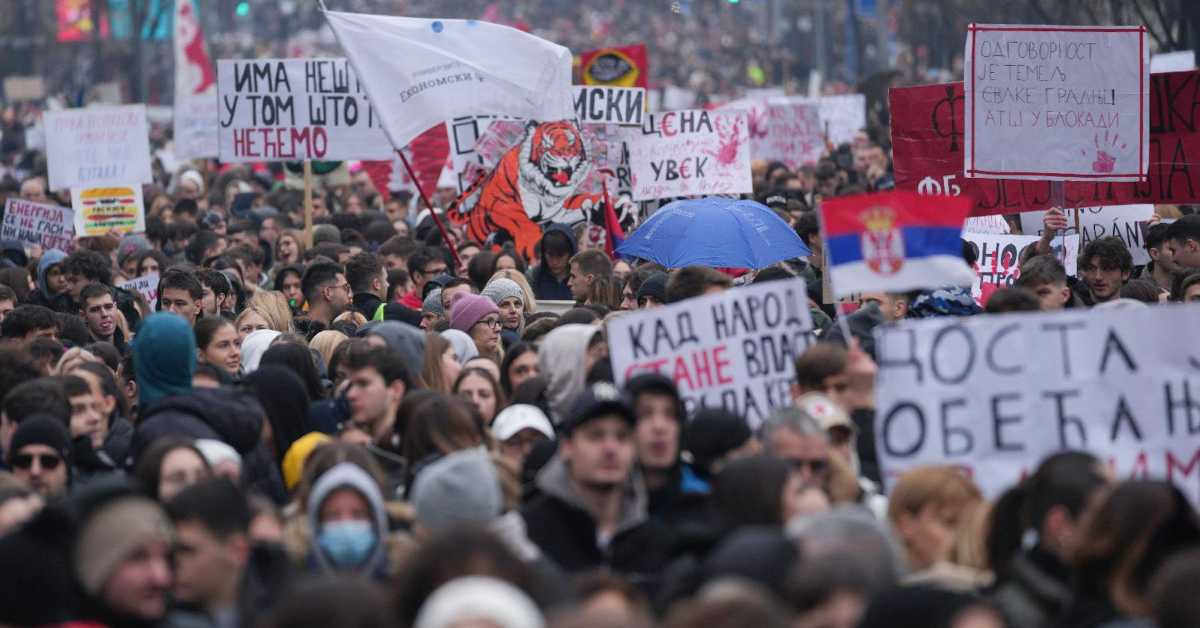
520	416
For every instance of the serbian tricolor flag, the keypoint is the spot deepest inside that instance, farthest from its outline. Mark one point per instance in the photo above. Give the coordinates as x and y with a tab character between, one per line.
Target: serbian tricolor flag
894	242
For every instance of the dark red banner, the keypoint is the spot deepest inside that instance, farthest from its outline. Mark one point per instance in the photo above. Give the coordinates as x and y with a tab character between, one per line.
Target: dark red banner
927	145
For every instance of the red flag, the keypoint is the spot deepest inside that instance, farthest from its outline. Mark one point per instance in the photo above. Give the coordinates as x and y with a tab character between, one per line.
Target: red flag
427	154
614	235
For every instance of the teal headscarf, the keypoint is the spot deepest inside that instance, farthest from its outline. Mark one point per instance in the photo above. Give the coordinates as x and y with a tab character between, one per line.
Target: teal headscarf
164	357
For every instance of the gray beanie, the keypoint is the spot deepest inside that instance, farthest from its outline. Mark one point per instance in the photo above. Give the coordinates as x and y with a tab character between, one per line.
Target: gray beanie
433	303
462	487
503	288
326	233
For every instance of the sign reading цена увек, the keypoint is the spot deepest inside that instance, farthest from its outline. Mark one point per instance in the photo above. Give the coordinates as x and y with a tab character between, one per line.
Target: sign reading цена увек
1057	102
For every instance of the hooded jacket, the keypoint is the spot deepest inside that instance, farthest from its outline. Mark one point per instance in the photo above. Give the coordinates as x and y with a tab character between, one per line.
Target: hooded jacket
349	475
229	415
560	524
545	285
562	360
42	295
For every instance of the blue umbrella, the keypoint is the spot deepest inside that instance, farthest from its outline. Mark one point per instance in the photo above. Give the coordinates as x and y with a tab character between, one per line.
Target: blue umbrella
715	232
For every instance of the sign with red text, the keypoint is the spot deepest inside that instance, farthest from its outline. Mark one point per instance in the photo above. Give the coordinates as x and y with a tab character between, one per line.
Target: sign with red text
1057	103
736	349
690	153
996	394
47	226
998	259
295	109
927	139
98	146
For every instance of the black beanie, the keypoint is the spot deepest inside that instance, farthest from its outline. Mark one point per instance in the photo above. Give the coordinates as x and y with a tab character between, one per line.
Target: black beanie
41	429
654	286
713	433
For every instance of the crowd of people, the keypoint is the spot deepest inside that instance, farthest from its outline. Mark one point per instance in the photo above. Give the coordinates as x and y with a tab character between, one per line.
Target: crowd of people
385	425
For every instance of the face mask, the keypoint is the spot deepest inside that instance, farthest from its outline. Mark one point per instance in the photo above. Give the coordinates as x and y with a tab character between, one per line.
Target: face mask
347	543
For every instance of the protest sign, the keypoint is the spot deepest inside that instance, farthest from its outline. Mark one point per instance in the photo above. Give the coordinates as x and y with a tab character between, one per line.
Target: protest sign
1057	102
793	135
98	146
535	182
616	105
676	98
195	131
986	224
1179	61
419	71
842	115
927	144
1097	222
690	153
48	226
100	210
621	66
997	259
736	349
996	394
18	88
295	109
146	285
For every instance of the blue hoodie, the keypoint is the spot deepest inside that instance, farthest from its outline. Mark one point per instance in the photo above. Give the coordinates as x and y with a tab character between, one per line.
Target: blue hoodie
164	357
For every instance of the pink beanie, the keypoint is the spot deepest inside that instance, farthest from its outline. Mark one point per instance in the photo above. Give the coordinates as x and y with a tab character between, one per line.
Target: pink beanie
469	309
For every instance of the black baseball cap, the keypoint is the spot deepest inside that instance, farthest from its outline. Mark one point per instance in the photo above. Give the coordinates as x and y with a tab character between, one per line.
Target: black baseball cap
598	400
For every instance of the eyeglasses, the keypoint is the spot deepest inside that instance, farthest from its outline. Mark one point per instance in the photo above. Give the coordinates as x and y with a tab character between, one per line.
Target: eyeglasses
815	465
48	462
494	323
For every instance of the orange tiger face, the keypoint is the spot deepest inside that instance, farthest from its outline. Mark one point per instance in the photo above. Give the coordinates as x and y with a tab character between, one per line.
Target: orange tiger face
558	153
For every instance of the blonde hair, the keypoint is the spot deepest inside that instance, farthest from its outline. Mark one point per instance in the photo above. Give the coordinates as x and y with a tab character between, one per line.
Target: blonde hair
326	342
351	316
74	357
938	485
272	306
530	299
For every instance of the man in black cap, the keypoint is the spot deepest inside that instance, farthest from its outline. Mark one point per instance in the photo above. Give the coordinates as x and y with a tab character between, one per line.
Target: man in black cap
676	494
41	454
653	292
592	508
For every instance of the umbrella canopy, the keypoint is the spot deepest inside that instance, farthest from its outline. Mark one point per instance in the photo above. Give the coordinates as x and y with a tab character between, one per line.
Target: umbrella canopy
715	232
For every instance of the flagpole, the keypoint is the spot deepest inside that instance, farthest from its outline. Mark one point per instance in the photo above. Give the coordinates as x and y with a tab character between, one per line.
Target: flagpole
432	212
308	204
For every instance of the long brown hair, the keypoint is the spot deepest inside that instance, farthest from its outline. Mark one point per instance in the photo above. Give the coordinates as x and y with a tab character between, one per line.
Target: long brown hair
431	368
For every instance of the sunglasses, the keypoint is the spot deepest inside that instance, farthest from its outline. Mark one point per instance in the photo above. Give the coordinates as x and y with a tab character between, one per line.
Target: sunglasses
815	465
48	462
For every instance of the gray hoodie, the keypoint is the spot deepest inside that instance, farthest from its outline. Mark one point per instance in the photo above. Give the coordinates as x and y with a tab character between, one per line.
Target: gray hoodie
348	475
562	359
50	258
402	338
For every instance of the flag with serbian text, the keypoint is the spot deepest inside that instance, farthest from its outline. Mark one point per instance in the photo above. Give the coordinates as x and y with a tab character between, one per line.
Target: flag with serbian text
894	242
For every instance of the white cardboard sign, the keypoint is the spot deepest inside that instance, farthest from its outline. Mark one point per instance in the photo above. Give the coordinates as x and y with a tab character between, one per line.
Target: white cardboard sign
996	394
735	349
98	146
1098	222
602	104
295	109
1057	102
690	153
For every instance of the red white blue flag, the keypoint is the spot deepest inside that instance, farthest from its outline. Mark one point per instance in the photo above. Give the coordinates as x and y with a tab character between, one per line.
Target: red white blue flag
895	242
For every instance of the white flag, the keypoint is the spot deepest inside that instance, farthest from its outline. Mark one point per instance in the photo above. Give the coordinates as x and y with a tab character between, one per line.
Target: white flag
420	72
195	88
